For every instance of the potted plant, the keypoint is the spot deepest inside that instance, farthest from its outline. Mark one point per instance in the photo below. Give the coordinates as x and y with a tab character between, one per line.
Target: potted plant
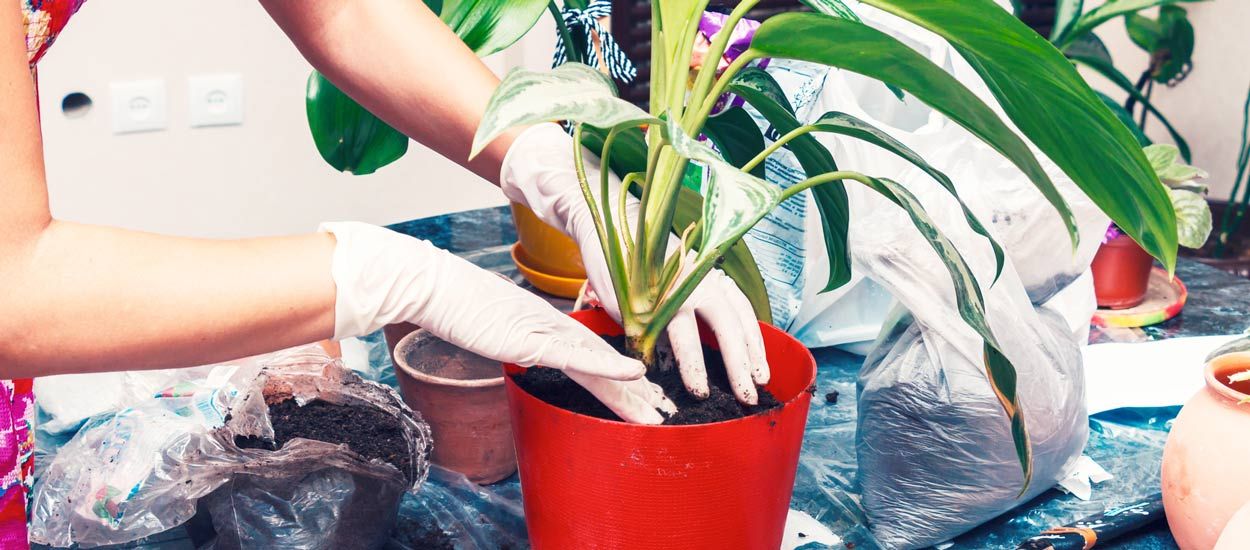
1121	268
1207	450
592	482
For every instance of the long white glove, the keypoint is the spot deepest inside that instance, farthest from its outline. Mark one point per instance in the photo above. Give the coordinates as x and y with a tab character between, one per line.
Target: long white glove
383	277
538	171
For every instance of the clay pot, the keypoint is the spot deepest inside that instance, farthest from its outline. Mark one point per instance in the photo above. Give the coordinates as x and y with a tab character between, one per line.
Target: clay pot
461	396
546	249
592	483
1204	462
1121	273
1236	535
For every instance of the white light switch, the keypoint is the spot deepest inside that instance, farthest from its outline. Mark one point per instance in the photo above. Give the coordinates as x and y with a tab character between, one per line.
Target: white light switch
139	106
216	100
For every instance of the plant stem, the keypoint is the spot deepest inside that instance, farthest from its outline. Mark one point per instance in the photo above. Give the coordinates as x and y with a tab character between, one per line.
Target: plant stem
772	148
714	54
570	49
1226	225
611	248
695	124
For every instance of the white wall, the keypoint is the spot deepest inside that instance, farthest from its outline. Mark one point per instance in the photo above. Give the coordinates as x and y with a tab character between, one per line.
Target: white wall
264	177
1207	106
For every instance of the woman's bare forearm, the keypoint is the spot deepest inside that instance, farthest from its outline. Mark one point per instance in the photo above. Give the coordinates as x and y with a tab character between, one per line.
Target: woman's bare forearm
397	59
81	298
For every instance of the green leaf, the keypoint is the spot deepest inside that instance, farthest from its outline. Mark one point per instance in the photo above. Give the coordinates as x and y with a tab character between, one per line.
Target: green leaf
847	125
1106	12
971	305
1066	13
572	91
1143	31
349	137
734	201
1052	105
1193	218
1175	45
758	88
836	8
1124	117
867	51
737	137
488	26
1161	156
629	154
1089	45
1164	159
1116	77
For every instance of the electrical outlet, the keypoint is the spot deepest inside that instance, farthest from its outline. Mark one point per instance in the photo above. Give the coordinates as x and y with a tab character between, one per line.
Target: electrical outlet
216	100
139	106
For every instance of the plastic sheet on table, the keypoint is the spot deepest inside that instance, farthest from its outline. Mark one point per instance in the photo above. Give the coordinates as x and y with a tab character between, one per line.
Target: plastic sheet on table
1126	442
470	515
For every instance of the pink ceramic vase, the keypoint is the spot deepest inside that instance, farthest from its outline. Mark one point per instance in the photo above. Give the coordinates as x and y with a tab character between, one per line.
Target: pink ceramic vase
1206	463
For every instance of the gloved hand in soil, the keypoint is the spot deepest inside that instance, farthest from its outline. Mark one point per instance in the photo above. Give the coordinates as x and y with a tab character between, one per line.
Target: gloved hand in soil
538	171
383	277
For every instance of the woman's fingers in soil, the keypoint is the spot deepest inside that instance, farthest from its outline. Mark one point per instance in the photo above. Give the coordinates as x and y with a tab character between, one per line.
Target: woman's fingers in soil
731	337
755	339
632	401
591	358
683	337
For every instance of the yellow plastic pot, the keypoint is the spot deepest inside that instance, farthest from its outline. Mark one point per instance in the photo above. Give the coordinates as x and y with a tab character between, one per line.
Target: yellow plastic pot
548	254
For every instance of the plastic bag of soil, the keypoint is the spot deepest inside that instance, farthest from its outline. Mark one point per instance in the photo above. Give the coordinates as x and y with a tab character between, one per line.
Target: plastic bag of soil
302	454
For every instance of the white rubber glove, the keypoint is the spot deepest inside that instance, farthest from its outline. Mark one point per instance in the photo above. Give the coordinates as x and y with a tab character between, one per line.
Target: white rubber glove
383	277
538	171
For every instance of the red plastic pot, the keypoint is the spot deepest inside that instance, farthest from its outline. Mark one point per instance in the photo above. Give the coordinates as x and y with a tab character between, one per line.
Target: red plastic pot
1121	273
592	483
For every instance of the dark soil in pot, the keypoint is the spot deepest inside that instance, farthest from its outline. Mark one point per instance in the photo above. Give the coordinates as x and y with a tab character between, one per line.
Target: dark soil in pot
555	388
367	430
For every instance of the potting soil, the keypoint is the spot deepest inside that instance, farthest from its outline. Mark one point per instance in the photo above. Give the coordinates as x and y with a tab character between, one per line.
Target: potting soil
367	430
553	387
421	533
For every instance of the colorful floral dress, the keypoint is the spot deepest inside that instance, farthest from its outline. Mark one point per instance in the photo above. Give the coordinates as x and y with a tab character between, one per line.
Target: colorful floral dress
43	19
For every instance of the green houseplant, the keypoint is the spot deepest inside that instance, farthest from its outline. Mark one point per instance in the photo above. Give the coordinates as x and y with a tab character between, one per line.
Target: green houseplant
1036	86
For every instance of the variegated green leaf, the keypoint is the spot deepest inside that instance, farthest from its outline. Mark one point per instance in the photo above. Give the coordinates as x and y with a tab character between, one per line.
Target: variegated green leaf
1066	13
572	91
971	305
1165	160
1193	218
734	201
488	26
847	125
836	8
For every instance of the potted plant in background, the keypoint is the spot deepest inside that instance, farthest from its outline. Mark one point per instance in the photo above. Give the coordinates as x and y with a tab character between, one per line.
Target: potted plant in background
1230	249
590	481
1121	268
1207	451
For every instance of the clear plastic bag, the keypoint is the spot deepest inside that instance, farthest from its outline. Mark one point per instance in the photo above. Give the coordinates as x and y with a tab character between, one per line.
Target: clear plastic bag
142	471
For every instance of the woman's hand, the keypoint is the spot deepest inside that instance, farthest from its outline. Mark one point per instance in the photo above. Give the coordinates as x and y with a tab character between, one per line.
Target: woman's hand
538	172
383	277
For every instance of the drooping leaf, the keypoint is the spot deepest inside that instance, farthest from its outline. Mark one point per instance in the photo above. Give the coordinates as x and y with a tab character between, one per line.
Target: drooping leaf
1164	159
1142	30
1106	12
1066	13
847	125
1175	44
1193	218
971	305
734	201
836	8
1116	77
862	49
758	88
1124	117
629	154
737	137
572	91
1052	105
347	135
488	26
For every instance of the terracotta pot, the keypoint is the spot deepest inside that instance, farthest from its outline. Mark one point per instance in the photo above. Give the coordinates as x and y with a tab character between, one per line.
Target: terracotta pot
592	483
1236	535
1121	273
1206	457
461	395
546	248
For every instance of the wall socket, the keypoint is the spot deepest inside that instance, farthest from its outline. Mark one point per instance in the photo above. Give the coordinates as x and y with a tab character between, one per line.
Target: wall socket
215	100
139	106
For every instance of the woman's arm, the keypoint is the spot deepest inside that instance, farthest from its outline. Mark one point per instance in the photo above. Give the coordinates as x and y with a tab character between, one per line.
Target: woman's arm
81	298
397	59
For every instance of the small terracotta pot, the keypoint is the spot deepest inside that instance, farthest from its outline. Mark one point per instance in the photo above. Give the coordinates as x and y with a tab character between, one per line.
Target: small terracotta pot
1206	457
1121	273
593	483
461	395
1236	535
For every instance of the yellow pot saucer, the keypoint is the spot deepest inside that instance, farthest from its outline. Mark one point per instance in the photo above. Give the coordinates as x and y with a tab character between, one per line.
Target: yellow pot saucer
564	287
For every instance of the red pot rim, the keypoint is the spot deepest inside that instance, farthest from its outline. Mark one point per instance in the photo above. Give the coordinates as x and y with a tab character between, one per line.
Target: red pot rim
512	369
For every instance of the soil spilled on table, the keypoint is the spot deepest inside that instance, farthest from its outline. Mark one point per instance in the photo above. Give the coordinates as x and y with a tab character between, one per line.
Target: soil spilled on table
553	387
369	431
420	534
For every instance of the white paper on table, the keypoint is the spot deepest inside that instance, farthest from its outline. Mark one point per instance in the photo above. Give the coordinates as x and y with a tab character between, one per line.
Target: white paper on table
803	529
1161	373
